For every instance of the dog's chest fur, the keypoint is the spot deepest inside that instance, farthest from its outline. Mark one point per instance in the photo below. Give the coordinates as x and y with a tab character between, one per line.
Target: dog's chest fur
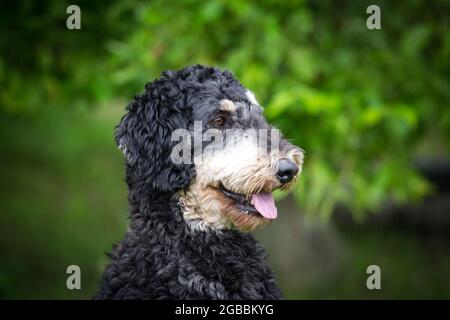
162	258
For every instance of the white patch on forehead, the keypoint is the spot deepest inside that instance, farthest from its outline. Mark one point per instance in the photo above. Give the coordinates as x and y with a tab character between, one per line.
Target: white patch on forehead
251	97
227	105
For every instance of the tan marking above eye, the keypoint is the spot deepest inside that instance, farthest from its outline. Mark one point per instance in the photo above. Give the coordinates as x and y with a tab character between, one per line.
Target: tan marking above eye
227	105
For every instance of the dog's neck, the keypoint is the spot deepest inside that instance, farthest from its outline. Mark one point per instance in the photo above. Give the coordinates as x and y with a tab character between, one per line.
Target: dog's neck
162	214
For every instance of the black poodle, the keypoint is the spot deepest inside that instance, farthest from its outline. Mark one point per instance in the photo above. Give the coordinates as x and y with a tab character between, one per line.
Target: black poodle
201	163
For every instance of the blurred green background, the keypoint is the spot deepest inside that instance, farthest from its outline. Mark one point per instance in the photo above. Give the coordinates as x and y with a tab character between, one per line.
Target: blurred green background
370	107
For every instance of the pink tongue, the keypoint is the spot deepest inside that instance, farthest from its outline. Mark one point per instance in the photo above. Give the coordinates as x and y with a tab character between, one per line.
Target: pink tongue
265	204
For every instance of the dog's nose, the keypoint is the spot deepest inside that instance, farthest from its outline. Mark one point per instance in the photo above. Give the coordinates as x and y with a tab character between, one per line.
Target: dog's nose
286	170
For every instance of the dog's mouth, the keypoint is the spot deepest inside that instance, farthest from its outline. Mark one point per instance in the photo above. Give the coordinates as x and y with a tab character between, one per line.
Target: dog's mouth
260	204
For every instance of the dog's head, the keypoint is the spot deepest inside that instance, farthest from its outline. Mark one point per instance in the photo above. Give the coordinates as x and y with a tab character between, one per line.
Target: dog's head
199	133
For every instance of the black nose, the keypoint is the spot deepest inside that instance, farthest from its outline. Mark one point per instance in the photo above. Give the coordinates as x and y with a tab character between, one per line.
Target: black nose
286	170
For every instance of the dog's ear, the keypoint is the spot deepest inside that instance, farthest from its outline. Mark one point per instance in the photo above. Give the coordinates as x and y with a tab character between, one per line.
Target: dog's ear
144	136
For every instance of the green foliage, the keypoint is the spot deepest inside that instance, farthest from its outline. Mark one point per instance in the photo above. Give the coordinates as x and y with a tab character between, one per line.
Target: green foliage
360	102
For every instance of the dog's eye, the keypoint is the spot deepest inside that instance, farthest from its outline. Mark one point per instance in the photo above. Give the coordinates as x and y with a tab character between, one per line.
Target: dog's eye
219	121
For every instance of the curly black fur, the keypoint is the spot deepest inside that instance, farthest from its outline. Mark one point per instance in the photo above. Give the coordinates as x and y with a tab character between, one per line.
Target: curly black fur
161	257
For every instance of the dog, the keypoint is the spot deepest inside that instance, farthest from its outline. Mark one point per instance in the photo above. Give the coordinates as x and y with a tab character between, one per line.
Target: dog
189	220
